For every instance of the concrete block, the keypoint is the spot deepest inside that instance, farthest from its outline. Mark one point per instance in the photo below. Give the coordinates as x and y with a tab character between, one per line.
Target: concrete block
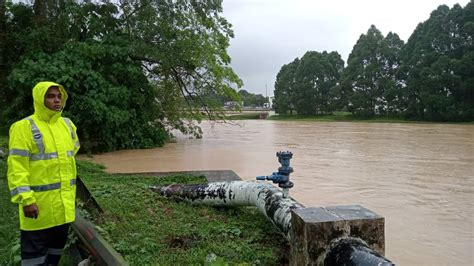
364	224
313	230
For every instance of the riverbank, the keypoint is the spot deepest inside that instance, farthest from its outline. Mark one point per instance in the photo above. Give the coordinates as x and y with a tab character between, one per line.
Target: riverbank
335	117
250	116
339	117
146	224
140	223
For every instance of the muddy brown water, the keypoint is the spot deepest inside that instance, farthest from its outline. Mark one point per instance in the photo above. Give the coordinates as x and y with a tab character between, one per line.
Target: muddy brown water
420	177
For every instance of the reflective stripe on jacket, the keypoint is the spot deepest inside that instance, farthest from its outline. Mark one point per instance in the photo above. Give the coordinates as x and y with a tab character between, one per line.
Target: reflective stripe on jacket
41	163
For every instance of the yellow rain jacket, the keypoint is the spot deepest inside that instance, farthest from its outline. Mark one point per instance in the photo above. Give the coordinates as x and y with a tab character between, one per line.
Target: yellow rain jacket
41	163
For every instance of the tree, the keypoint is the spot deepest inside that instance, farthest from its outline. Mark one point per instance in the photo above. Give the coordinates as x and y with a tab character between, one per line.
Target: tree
107	90
438	66
285	88
390	83
135	69
316	74
250	99
370	78
183	44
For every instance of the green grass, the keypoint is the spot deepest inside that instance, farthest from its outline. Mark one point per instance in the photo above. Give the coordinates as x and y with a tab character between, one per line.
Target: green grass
148	229
243	116
348	117
339	117
9	232
9	224
3	141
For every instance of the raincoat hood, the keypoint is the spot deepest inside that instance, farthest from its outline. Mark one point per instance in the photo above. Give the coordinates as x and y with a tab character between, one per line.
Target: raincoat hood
39	91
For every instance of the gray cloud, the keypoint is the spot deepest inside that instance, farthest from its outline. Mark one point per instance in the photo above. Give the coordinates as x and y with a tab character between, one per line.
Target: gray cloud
271	33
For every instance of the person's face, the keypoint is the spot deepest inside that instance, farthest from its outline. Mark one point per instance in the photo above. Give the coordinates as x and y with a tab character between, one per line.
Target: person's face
52	99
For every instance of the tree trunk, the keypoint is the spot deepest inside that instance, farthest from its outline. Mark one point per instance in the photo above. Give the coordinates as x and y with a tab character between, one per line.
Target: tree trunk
41	12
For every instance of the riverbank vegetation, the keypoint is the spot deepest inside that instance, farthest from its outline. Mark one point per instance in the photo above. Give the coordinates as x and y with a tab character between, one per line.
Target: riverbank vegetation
334	117
339	117
429	78
133	70
3	141
243	116
147	228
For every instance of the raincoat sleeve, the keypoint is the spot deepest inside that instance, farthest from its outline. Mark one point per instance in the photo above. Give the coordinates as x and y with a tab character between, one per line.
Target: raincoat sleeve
77	144
19	164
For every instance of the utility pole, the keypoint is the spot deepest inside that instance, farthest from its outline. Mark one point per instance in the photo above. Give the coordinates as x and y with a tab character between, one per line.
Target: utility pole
266	97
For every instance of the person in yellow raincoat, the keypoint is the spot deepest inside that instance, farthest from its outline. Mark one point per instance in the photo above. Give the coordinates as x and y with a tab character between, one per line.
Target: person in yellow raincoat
42	175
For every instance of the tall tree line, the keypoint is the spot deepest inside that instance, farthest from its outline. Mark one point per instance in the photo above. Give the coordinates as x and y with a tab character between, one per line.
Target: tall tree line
134	69
431	77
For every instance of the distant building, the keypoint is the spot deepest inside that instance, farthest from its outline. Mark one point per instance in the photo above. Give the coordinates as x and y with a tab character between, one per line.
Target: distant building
232	104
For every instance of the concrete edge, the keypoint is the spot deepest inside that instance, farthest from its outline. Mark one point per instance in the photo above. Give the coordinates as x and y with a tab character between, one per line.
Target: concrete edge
211	175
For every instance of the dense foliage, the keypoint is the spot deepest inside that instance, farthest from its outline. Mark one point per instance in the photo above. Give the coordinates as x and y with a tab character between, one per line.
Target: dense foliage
133	69
438	69
307	85
316	75
285	88
431	77
369	81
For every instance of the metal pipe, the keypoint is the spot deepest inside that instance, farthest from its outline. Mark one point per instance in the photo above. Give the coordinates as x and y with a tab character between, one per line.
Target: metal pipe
353	251
268	199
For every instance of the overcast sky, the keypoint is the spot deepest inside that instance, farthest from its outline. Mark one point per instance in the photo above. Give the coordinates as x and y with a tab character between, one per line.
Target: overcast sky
271	33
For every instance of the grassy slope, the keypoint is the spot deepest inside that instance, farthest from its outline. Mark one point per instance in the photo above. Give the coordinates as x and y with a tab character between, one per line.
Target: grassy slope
149	229
9	233
348	117
338	117
243	117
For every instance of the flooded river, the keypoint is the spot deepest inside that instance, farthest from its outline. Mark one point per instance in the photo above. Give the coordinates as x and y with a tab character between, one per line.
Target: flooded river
420	177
